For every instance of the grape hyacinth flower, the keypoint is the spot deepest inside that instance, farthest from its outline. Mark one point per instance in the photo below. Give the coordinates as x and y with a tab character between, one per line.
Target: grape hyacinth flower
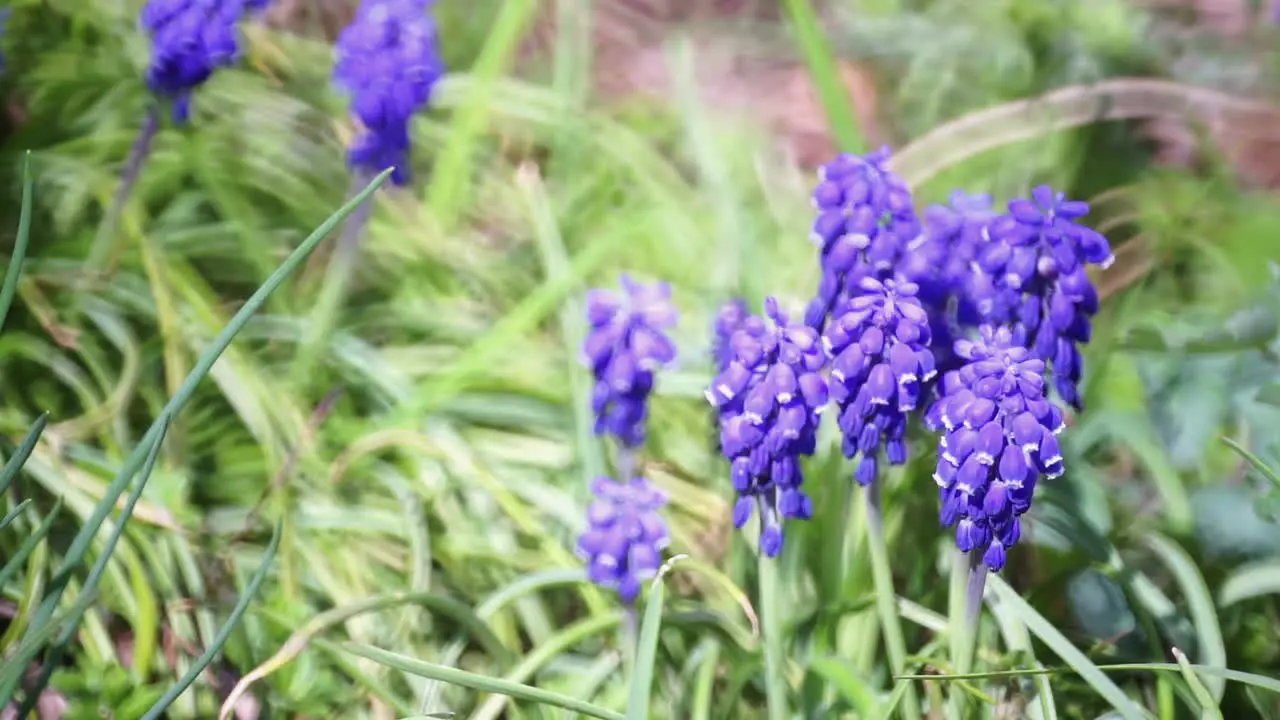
999	437
389	62
729	318
768	397
880	353
865	219
626	343
625	535
1033	278
190	39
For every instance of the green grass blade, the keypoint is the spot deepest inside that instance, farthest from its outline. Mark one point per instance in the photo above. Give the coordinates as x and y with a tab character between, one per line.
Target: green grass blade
19	458
825	71
17	509
1062	647
1261	682
1210	646
80	543
453	171
224	633
1018	639
887	597
21	242
29	544
890	709
642	671
1208	706
840	675
1265	470
1249	581
53	656
772	628
481	683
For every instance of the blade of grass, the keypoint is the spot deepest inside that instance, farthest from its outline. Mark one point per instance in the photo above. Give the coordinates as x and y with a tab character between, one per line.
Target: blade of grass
1210	646
480	683
824	68
17	509
23	239
80	543
772	628
1247	581
1208	705
224	632
887	597
301	638
1258	681
19	458
29	544
1264	469
1063	648
1018	640
642	671
53	656
453	169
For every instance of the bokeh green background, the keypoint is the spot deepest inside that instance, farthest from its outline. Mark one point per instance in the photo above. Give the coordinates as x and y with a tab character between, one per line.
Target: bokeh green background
433	437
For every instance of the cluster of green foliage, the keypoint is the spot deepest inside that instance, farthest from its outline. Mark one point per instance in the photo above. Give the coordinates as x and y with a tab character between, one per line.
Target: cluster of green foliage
421	438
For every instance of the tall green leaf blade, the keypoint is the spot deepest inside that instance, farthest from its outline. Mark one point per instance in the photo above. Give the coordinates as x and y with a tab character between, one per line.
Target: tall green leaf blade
638	695
19	458
13	274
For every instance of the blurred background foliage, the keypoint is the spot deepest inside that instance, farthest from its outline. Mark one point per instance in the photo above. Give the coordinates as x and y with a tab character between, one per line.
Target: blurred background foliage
438	440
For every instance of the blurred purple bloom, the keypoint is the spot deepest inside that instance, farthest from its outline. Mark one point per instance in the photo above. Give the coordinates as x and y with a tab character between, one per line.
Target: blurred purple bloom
625	535
865	219
999	435
626	343
729	318
389	62
189	40
1030	275
768	397
881	360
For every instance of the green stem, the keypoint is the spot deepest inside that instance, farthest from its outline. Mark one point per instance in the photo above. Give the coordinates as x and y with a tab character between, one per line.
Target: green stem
968	580
771	627
887	599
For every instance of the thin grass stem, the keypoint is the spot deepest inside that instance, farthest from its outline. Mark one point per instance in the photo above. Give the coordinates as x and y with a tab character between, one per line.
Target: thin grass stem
772	629
967	572
887	598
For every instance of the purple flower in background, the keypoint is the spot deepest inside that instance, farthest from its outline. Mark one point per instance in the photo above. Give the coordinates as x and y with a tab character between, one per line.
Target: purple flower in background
881	360
389	62
625	344
189	40
768	397
729	318
625	535
940	261
1031	276
865	219
999	435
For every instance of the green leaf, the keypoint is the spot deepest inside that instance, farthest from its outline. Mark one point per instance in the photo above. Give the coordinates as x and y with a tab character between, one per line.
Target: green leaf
825	71
1208	706
1249	581
482	683
224	632
23	239
841	676
1257	463
19	458
29	544
1210	645
1063	648
647	651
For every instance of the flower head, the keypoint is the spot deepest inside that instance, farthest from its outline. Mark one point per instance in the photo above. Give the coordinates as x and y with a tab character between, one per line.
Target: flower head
768	397
881	359
730	317
999	435
865	218
1033	278
189	40
626	343
389	62
625	535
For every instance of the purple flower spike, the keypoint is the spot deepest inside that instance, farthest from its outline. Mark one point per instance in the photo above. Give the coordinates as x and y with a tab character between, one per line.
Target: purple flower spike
999	437
768	398
880	362
190	39
730	317
627	342
865	219
1030	275
625	535
389	62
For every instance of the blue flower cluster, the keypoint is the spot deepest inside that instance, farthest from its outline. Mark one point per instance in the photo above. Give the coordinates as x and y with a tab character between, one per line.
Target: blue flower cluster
880	362
865	220
769	396
999	437
189	40
730	317
625	535
626	343
1031	275
388	60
